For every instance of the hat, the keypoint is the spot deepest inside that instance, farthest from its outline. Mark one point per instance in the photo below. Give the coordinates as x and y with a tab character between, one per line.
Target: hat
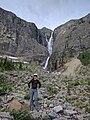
35	74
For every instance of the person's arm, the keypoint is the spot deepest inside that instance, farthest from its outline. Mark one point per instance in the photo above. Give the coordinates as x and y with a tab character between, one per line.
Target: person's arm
29	83
39	83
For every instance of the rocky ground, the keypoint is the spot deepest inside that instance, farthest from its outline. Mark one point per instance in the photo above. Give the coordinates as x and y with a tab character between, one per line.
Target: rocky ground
61	97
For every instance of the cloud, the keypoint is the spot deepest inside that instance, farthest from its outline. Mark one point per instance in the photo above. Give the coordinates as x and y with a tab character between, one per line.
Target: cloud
49	13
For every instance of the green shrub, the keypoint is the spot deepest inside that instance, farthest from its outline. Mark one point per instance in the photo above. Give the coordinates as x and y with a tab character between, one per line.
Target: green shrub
68	100
9	65
6	64
87	109
20	66
27	96
22	81
2	91
68	91
7	87
77	104
21	115
89	82
32	67
88	88
76	83
40	97
84	57
51	89
4	85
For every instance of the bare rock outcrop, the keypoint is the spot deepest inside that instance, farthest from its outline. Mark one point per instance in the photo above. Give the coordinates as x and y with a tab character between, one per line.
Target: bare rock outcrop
20	38
70	39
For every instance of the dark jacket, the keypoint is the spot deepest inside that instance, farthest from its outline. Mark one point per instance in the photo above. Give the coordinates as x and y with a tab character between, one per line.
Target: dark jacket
34	84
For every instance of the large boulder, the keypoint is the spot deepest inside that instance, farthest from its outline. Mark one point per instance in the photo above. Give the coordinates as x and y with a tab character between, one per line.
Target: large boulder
5	116
15	104
58	109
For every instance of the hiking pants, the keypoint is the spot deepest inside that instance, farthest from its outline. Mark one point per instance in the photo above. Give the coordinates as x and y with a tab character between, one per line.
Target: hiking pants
34	94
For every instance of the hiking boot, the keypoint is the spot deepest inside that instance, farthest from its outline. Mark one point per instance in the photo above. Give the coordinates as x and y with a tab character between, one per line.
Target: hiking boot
37	110
31	109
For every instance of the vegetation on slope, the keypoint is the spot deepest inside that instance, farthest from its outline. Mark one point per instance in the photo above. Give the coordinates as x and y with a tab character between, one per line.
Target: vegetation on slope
85	57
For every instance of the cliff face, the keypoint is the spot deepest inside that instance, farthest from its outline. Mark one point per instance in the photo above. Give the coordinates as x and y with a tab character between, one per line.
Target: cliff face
23	39
46	32
20	38
70	39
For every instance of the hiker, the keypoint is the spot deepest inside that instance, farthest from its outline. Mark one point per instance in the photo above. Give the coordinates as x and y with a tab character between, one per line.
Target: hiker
33	85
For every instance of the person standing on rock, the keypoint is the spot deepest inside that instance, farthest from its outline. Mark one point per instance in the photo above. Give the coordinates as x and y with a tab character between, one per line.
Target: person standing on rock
33	85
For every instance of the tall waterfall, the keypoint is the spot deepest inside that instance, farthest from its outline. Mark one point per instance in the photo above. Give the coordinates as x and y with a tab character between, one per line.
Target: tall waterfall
50	43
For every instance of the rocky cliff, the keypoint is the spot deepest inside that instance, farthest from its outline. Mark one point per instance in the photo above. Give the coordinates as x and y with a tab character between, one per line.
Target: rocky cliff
21	38
46	32
70	39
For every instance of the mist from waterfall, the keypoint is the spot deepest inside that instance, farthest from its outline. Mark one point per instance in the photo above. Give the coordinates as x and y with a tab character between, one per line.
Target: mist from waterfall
50	43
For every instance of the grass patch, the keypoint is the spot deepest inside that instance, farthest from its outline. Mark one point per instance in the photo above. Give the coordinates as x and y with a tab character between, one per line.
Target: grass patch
27	96
51	89
85	57
4	85
21	115
87	109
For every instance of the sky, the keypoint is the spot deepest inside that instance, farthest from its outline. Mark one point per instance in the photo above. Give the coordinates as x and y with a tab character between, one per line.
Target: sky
47	13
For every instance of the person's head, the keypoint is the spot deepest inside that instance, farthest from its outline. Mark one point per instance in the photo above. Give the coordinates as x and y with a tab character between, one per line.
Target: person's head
35	76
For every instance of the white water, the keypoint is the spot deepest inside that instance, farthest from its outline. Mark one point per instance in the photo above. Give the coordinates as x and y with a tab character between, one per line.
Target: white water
50	43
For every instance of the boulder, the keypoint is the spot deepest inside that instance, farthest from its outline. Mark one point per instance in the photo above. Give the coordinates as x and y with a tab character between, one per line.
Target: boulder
70	112
45	116
52	115
51	105
5	116
58	109
14	104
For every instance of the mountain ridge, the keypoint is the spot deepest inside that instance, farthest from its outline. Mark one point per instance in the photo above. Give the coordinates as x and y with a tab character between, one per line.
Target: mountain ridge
70	39
21	38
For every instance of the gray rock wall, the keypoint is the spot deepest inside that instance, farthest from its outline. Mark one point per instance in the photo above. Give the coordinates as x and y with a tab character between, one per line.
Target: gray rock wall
70	39
20	38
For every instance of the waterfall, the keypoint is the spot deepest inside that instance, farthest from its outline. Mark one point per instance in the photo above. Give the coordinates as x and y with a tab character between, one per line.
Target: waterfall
50	43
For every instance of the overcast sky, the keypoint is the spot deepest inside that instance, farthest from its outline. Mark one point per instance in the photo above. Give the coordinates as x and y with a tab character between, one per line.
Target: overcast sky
47	13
